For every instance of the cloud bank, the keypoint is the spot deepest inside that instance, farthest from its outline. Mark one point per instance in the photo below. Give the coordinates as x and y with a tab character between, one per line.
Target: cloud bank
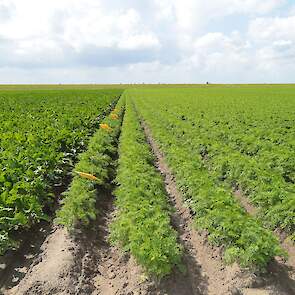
170	41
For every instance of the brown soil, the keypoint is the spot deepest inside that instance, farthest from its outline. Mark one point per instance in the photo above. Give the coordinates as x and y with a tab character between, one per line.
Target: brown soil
245	203
290	248
118	273
106	269
15	263
87	264
219	278
50	272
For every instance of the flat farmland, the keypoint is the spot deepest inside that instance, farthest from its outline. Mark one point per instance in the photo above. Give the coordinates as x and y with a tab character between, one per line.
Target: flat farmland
148	189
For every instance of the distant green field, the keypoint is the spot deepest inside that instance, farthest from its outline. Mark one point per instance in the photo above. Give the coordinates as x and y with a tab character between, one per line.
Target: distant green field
29	87
125	86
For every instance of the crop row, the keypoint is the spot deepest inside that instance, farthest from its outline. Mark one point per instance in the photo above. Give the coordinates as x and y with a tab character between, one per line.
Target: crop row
93	173
264	173
142	223
248	144
41	132
257	180
216	210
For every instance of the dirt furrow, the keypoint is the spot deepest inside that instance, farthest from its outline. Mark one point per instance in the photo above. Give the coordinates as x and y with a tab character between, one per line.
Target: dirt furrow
246	203
117	273
107	269
83	263
213	277
53	270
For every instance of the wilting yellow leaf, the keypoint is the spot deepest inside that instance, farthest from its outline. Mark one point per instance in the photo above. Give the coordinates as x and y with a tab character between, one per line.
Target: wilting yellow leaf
114	116
86	175
105	127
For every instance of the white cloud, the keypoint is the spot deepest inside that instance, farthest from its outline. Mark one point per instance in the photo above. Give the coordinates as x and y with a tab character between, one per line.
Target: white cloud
282	43
274	38
139	41
122	29
252	7
6	10
272	28
149	40
220	54
192	14
40	29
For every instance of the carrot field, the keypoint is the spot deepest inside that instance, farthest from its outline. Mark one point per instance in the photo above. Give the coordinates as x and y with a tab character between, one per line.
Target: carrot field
151	189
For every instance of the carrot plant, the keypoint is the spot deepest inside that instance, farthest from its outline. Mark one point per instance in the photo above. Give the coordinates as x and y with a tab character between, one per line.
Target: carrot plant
243	238
247	143
142	223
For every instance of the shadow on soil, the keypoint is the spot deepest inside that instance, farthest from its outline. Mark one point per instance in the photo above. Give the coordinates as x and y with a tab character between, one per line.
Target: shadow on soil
17	262
125	277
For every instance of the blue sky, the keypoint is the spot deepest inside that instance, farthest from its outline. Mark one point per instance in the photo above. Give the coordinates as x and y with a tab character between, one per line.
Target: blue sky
151	41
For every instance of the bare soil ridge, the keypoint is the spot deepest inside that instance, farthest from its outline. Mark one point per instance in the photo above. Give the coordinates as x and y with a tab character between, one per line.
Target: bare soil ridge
52	270
86	264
